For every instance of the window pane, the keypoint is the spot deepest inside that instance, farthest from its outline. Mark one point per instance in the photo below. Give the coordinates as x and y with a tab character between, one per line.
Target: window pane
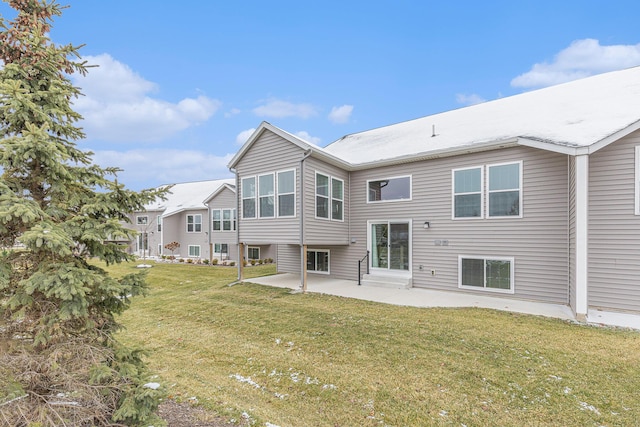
322	207
498	274
286	182
336	210
311	260
504	177
467	181
286	205
216	215
322	185
504	203
266	207
473	272
322	261
249	208
468	205
248	187
265	185
390	189
336	189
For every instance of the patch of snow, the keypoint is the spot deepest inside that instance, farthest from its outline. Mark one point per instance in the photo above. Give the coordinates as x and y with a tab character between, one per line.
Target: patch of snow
152	386
270	425
247	380
585	406
144	266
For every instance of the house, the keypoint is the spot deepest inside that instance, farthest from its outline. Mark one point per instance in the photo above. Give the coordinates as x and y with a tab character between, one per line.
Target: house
534	197
200	216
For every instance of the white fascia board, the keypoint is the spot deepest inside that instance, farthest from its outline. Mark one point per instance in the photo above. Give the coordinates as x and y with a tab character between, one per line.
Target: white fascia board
614	137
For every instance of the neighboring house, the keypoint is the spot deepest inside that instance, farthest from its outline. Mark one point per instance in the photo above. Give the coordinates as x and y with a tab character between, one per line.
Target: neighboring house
184	217
534	196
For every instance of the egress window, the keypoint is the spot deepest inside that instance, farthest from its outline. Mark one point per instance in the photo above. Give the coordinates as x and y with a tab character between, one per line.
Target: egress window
389	189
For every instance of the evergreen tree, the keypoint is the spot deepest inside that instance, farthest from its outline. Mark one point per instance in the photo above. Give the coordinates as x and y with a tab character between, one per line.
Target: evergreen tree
59	361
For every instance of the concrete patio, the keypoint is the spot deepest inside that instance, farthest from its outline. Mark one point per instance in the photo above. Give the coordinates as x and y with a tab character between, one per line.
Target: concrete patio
417	297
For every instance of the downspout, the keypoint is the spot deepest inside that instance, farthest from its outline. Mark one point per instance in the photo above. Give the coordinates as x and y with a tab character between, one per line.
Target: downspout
239	248
303	265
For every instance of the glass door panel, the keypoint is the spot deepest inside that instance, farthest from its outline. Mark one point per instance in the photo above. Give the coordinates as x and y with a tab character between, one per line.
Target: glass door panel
379	245
399	246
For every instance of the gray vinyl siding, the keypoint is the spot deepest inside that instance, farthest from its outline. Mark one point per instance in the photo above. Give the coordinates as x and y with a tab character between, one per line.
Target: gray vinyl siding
321	231
226	199
153	237
572	232
538	241
614	229
288	259
175	230
269	154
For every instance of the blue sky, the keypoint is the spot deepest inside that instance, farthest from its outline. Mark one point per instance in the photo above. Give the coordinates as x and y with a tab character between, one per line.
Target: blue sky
181	85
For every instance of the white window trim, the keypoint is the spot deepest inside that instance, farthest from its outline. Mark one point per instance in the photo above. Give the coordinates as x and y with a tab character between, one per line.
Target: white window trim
328	264
329	197
637	167
194	223
393	200
255	198
233	220
219	252
274	195
189	251
253	247
520	198
277	194
484	288
454	194
146	221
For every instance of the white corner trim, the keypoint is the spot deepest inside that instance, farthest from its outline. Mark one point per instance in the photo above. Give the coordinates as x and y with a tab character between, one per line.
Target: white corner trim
582	234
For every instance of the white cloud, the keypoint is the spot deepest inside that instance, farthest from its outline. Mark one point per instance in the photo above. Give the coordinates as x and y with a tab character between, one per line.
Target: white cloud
305	136
164	165
117	105
471	99
582	58
232	112
341	114
279	109
244	136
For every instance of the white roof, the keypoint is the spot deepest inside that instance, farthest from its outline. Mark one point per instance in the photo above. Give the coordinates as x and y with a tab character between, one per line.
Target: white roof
188	196
562	118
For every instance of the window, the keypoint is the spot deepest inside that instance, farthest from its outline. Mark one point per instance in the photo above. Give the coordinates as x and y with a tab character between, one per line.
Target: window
194	251
494	274
223	219
159	222
638	180
318	261
266	196
287	193
221	248
253	253
159	249
194	223
384	190
249	197
504	190
322	196
142	220
337	198
329	198
467	193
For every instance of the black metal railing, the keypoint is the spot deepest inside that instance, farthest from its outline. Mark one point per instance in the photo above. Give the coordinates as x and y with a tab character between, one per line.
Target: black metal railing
366	258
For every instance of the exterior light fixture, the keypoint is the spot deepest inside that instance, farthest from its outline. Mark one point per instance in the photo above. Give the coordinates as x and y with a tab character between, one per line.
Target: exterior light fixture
427	224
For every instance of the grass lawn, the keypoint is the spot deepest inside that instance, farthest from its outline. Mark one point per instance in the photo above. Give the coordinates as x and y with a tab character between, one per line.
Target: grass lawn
317	360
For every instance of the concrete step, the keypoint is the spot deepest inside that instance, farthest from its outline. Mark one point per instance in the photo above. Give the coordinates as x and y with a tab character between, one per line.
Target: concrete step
387	281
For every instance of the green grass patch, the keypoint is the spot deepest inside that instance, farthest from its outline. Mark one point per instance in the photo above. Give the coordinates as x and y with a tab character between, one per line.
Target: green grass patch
308	359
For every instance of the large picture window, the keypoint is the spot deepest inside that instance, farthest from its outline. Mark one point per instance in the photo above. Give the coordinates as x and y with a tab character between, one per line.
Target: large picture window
389	189
318	261
286	193
504	190
194	223
249	197
488	273
266	199
253	253
467	193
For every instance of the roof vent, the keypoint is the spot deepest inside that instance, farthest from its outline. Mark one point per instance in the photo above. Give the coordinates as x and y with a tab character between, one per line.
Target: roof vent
433	131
